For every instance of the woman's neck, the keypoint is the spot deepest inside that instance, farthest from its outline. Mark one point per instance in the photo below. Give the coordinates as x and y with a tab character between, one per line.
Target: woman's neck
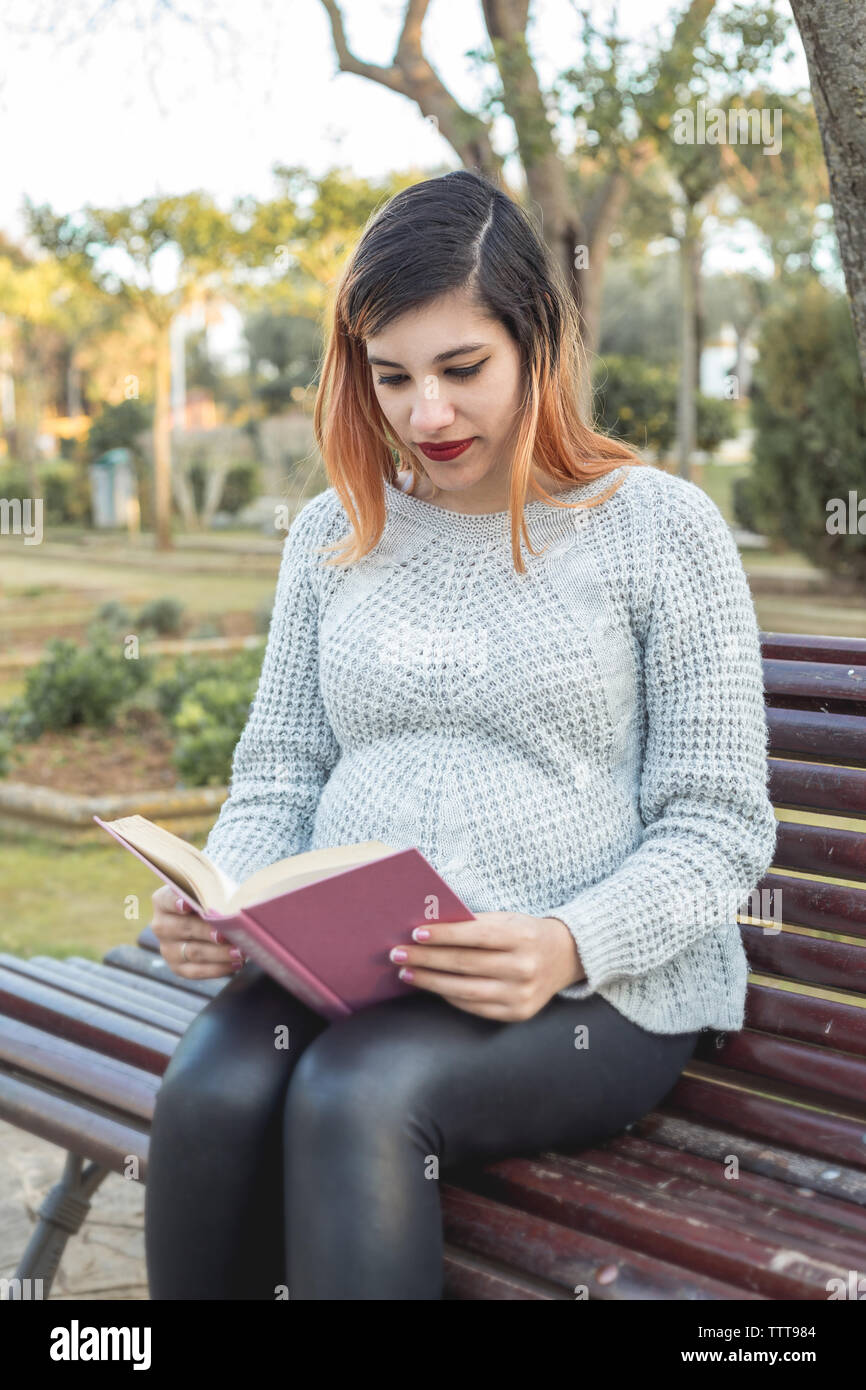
425	492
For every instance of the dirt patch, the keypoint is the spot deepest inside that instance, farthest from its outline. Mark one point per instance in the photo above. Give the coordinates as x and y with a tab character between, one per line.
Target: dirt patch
135	754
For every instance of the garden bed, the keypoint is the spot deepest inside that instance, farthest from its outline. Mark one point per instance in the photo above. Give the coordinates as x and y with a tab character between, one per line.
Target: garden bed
136	752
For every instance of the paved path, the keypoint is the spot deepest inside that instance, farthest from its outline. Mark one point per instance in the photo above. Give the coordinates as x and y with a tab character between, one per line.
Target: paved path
106	1259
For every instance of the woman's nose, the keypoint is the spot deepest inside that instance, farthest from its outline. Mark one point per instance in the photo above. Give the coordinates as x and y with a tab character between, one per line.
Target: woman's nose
431	414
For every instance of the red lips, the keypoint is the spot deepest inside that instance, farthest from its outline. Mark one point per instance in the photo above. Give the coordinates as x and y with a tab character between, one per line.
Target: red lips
443	452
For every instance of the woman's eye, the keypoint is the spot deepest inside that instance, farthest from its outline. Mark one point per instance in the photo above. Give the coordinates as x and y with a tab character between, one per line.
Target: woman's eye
461	373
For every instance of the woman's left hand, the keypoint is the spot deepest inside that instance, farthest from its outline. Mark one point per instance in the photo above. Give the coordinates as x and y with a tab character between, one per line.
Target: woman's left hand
504	965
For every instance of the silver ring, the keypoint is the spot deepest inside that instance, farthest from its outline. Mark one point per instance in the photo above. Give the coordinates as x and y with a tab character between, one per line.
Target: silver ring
183	950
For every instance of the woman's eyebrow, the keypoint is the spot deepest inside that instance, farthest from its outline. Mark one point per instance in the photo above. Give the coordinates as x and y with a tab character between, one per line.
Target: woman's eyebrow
440	356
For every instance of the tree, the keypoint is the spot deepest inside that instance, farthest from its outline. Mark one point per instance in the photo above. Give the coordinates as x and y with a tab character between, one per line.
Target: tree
621	100
45	317
833	35
575	227
122	252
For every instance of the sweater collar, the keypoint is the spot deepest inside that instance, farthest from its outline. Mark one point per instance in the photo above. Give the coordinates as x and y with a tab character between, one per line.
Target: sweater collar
544	521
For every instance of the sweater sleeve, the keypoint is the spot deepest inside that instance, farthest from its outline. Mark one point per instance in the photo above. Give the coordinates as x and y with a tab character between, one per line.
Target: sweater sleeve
287	748
709	825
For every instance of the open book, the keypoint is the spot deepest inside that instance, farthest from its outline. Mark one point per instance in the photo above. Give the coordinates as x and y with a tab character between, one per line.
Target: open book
321	923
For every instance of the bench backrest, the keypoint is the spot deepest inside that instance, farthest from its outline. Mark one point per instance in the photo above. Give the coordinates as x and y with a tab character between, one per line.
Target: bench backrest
805	1026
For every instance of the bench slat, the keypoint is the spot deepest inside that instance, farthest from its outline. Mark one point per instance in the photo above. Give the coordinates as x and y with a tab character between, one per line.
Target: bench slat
144	986
72	982
819	681
59	1120
468	1278
817	849
665	1227
735	1100
92	1025
827	738
564	1255
72	1067
796	646
815	681
771	1221
779	1059
692	1137
752	1189
799	1012
807	956
808	902
799	786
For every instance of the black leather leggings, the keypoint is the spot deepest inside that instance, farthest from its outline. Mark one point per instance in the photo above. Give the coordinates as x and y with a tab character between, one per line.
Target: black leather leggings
308	1171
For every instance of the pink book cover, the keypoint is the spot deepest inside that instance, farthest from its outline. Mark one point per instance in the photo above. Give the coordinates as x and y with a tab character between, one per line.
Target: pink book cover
327	943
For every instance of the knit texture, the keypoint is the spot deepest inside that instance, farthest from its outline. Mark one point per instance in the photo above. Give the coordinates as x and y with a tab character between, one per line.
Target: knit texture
585	741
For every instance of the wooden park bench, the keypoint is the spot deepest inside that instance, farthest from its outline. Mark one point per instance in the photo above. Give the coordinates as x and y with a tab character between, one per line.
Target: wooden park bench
747	1182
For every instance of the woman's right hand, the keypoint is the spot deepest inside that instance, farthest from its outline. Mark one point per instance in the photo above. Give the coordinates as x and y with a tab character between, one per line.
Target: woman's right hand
208	955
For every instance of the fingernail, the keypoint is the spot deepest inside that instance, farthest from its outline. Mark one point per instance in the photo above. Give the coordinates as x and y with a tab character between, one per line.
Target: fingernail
420	934
236	955
216	936
406	974
399	954
181	905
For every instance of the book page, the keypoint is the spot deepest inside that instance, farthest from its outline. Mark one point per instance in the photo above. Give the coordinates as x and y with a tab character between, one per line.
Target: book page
176	858
230	885
305	868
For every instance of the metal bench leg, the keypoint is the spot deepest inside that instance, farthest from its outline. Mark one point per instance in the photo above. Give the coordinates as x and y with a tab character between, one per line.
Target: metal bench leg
61	1215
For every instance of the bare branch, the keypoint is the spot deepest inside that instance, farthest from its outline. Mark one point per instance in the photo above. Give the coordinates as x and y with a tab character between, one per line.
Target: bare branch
412	76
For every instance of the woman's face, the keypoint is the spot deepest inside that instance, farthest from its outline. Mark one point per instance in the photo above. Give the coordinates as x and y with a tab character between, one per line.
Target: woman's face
446	374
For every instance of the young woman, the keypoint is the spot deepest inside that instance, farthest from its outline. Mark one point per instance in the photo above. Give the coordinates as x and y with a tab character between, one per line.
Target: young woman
536	659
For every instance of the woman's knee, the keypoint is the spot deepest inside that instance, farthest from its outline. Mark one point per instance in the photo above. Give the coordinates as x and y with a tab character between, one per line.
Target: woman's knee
359	1074
233	1060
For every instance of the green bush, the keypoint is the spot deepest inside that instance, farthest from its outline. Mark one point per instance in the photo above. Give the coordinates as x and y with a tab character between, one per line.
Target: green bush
717	421
64	487
163	615
208	723
743	503
207	703
112	620
7	748
186	672
118	427
241	485
809	412
75	685
636	401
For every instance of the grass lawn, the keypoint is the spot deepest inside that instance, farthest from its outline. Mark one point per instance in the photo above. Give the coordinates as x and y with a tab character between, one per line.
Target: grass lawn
718	480
64	899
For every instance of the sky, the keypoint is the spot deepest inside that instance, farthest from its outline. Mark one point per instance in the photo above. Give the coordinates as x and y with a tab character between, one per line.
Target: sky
101	104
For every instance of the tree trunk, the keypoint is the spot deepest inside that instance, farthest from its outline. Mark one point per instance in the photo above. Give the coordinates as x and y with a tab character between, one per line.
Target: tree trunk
162	440
834	37
700	314
215	478
184	496
74	405
686	403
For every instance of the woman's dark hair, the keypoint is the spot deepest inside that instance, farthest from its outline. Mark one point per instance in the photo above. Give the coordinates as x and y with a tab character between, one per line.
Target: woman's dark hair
455	232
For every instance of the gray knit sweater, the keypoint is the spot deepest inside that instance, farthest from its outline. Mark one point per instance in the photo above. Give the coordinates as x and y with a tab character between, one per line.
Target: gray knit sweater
586	741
